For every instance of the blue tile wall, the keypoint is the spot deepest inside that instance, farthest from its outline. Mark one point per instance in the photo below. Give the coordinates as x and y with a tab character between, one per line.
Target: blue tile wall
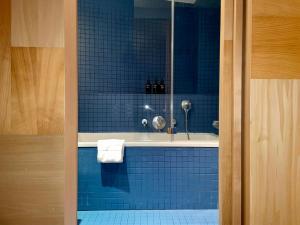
150	53
150	178
185	50
105	45
197	47
208	51
124	112
118	53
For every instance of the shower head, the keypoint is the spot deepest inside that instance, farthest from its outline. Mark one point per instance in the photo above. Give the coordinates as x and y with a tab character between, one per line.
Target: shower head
186	105
185	1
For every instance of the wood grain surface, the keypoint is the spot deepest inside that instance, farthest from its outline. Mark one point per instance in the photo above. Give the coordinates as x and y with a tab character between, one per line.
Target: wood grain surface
32	180
37	23
37	91
275	39
275	152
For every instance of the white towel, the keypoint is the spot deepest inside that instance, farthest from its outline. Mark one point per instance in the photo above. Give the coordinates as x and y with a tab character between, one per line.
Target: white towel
110	151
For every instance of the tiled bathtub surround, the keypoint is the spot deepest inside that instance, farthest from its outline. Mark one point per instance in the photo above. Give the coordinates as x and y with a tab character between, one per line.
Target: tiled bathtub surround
197	38
208	51
150	178
124	112
119	51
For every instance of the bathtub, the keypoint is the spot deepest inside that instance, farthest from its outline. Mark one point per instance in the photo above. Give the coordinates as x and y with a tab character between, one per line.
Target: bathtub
207	140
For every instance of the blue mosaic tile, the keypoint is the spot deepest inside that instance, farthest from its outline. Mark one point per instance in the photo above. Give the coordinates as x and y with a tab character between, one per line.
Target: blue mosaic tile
124	112
149	178
208	51
118	53
148	217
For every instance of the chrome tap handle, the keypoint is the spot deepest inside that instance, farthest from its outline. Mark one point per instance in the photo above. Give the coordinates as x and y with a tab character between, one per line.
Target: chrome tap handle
144	122
159	122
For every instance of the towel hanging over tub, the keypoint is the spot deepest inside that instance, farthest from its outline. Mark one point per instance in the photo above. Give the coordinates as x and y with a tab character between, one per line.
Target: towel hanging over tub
110	151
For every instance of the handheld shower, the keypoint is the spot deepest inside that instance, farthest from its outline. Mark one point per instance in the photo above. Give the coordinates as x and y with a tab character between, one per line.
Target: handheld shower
186	105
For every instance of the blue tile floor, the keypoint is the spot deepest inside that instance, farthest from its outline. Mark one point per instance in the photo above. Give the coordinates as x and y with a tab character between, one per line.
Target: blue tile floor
148	217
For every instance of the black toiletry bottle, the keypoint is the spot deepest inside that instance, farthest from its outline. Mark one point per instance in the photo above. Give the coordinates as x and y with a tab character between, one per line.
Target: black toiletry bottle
148	87
162	88
155	88
158	87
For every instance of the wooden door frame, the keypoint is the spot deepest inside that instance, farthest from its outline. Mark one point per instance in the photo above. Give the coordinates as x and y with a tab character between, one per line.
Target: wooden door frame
231	79
231	106
71	113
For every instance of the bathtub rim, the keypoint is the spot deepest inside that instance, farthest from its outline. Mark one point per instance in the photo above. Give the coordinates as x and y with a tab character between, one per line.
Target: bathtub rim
205	140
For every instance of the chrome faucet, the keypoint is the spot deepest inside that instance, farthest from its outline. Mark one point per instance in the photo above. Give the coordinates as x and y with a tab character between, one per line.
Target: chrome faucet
159	123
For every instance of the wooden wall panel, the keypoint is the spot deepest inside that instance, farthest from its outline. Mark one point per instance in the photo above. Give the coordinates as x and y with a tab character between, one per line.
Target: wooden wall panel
277	8
275	39
32	99
5	79
37	23
37	91
272	113
32	178
275	152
